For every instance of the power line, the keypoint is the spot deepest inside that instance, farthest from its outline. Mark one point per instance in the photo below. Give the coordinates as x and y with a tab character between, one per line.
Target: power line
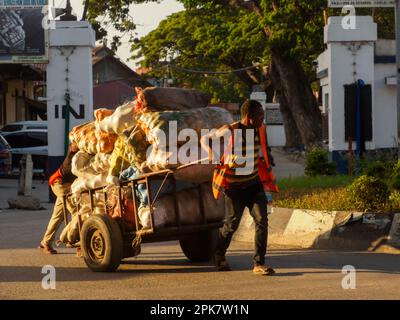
255	66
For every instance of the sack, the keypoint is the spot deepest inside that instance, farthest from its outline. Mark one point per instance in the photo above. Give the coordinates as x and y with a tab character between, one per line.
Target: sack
84	164
85	137
80	164
101	114
189	208
105	141
198	173
88	182
128	213
70	234
156	125
129	150
122	119
158	99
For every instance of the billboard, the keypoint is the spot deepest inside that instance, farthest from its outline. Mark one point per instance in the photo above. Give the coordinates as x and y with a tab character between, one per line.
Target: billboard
361	3
22	36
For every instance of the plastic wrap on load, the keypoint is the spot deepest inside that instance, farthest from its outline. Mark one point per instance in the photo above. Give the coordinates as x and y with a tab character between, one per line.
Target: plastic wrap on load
100	162
101	114
89	182
80	164
85	137
159	99
156	125
161	159
105	141
129	150
188	206
122	119
84	164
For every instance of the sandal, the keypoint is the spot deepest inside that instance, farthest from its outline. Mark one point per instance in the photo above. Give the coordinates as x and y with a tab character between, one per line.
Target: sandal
263	271
47	249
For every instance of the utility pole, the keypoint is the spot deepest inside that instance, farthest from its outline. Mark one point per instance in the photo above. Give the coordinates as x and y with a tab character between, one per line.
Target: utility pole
397	13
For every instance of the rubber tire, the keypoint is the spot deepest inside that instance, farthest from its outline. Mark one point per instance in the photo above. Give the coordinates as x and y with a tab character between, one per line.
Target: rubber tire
201	246
113	243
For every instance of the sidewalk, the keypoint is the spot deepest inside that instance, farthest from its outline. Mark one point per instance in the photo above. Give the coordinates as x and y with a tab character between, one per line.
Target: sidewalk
8	189
286	166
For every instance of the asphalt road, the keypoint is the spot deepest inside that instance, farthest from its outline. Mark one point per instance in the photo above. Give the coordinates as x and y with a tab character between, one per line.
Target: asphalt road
162	271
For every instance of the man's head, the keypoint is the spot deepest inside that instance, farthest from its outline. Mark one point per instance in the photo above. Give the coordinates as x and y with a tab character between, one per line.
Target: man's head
252	113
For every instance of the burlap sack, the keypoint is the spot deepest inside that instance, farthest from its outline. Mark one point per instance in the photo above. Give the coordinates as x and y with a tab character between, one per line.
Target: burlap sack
158	99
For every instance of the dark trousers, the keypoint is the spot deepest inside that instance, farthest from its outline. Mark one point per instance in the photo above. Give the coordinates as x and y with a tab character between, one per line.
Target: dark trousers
252	197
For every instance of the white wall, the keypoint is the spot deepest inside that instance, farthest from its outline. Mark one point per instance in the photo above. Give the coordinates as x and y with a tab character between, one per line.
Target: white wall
79	37
351	57
385	114
276	136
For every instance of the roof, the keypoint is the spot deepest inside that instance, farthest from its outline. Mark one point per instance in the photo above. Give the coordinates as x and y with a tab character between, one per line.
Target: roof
122	92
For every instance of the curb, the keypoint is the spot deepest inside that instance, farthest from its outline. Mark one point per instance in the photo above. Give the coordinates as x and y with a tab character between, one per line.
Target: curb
312	229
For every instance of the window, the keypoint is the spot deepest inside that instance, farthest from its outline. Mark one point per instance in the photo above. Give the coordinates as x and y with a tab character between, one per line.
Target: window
36	139
37	128
12	128
16	140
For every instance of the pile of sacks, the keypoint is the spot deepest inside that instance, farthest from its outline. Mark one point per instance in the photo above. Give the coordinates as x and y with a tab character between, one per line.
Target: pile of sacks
125	143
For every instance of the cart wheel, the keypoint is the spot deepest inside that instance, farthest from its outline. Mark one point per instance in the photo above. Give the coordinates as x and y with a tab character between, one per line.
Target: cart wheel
102	244
200	247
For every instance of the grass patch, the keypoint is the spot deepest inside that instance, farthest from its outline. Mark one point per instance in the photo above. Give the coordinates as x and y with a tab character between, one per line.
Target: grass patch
317	182
326	193
319	199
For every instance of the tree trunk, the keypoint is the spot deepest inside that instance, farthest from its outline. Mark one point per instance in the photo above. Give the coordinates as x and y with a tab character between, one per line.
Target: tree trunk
300	99
293	138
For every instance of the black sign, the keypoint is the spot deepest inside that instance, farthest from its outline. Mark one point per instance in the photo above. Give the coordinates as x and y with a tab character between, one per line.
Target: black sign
22	37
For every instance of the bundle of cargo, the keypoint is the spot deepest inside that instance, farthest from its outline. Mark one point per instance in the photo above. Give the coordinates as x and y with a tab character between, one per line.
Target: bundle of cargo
159	99
135	139
165	213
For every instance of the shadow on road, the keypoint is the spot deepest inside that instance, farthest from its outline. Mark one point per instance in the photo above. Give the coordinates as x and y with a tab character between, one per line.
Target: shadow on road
303	262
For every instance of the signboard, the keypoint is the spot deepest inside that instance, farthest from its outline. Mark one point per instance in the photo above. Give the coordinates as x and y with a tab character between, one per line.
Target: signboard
23	3
361	3
22	36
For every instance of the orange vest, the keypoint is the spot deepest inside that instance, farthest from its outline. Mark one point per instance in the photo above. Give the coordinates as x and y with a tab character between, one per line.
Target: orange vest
267	178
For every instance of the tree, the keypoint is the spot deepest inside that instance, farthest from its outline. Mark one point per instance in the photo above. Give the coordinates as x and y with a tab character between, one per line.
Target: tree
292	35
293	32
199	39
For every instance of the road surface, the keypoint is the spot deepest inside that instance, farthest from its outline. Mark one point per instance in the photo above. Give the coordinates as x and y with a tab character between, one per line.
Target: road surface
162	271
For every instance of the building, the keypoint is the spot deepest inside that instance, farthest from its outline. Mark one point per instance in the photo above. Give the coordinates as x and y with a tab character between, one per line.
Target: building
113	80
357	75
20	88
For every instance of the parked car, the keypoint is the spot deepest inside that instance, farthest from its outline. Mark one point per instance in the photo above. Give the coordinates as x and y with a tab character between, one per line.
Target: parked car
33	142
5	157
24	125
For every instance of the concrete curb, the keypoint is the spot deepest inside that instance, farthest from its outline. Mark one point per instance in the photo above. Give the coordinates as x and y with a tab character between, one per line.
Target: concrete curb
311	229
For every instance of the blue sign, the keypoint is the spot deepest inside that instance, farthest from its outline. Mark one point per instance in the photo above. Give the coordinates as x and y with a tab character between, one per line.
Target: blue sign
23	3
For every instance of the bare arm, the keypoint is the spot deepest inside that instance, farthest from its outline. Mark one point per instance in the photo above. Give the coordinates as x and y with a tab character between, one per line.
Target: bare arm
214	136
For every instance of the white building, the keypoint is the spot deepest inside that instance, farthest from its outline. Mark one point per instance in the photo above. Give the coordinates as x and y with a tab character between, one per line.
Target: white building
352	55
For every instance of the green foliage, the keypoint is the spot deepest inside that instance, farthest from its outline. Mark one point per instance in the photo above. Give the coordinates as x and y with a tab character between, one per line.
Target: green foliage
377	169
198	39
368	193
394	179
317	163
